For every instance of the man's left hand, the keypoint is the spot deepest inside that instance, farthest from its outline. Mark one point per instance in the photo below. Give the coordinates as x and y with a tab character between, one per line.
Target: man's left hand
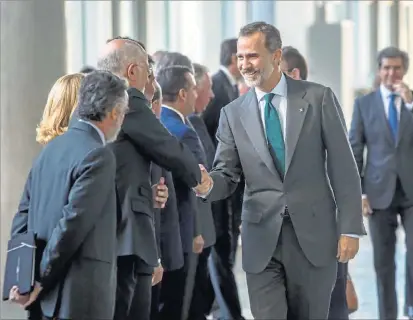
404	91
347	248
160	194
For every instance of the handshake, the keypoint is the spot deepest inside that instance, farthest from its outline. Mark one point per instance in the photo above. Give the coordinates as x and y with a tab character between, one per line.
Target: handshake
206	184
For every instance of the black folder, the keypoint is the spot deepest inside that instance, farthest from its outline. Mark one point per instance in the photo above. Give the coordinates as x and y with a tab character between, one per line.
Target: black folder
20	264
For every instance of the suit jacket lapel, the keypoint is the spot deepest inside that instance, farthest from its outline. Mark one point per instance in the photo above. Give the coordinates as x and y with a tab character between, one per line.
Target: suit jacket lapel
251	119
378	103
405	119
296	111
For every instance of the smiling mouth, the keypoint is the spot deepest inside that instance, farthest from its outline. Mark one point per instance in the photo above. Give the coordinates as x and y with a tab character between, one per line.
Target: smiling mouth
250	74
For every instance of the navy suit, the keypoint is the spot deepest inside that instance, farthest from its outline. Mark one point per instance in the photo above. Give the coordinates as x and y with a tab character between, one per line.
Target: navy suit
387	181
173	283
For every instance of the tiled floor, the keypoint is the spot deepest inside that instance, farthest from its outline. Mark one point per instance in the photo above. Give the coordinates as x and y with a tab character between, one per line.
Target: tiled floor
361	271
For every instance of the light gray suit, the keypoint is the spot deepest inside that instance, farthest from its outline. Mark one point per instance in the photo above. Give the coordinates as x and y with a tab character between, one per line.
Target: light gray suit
282	255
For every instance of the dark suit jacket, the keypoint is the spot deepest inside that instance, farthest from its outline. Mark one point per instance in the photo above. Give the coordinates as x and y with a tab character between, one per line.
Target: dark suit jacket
208	148
141	141
190	223
224	93
385	162
167	225
69	202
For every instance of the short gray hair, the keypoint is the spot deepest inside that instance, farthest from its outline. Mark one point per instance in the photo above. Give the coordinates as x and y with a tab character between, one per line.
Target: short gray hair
272	35
393	52
99	93
117	60
200	72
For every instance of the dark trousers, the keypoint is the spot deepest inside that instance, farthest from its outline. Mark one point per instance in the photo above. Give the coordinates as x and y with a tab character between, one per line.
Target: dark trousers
155	300
133	292
172	293
338	303
223	260
202	290
383	225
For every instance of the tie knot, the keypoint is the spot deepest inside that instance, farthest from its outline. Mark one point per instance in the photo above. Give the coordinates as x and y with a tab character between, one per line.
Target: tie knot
268	97
392	96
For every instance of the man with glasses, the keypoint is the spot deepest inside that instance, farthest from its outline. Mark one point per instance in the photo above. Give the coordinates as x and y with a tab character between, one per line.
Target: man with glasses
142	140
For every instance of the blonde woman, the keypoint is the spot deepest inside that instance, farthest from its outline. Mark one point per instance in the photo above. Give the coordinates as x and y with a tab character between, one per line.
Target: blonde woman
61	103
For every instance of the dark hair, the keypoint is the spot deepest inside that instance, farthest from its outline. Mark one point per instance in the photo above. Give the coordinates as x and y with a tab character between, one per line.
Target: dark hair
158	55
99	93
174	59
272	34
295	59
228	50
172	79
393	52
87	69
200	70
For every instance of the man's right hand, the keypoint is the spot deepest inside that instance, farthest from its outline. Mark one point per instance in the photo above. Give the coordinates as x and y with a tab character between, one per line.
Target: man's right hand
366	207
204	187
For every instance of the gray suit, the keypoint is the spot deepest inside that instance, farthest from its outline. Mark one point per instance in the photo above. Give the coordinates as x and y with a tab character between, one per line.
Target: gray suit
387	182
75	223
304	213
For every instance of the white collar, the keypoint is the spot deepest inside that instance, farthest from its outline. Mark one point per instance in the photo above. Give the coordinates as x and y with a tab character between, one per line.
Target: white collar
280	89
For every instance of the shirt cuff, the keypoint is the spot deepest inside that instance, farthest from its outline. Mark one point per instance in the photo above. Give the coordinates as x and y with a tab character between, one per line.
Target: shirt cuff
364	196
351	235
203	196
409	106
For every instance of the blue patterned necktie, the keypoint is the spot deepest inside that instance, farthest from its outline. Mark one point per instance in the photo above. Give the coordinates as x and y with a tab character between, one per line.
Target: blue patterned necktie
274	131
393	116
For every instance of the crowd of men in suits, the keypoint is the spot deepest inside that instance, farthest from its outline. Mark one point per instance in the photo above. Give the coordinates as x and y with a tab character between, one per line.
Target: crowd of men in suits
137	207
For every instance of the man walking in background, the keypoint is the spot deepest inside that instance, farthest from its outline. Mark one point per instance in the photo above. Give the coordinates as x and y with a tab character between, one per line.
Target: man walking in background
382	124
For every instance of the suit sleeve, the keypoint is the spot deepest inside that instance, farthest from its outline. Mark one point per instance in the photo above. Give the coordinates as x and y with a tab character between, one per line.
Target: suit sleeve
93	184
342	169
227	170
357	138
191	140
20	220
150	136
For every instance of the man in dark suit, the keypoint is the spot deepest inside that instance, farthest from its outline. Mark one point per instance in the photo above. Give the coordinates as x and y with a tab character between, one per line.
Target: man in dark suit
166	222
179	95
227	213
382	124
294	65
141	141
69	202
203	292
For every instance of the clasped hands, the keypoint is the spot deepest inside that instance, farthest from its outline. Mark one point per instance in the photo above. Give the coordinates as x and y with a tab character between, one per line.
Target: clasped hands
205	186
25	300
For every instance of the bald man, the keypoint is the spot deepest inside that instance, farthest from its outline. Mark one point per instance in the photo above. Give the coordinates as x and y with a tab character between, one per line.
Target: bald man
142	140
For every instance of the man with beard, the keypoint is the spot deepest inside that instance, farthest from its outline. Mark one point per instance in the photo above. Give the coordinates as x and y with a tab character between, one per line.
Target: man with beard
289	140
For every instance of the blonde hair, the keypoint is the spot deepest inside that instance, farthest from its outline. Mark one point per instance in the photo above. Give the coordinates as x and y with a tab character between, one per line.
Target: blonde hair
61	103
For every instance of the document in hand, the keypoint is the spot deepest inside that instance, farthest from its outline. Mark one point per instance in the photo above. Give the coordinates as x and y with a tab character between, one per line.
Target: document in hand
20	264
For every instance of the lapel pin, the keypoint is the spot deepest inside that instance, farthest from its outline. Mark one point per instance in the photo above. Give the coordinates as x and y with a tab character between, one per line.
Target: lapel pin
301	109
